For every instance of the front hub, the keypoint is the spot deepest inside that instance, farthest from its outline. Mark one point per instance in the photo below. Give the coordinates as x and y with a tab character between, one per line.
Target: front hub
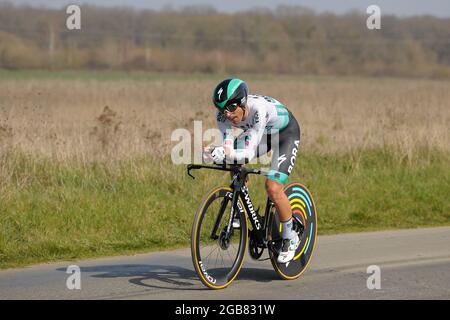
224	238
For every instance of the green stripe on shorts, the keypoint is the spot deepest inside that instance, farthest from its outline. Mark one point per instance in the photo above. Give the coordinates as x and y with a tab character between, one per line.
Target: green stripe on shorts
277	176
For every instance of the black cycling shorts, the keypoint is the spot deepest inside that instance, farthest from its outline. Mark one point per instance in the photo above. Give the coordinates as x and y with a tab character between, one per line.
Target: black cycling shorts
283	158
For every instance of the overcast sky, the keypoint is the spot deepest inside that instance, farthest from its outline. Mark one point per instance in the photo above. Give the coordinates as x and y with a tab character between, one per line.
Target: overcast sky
439	8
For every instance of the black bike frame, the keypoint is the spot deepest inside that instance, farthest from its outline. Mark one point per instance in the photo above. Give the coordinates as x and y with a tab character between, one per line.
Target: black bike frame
239	175
259	223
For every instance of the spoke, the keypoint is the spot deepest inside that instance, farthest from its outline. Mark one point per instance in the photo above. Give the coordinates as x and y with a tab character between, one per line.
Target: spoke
212	257
217	258
211	252
234	249
231	258
208	258
223	263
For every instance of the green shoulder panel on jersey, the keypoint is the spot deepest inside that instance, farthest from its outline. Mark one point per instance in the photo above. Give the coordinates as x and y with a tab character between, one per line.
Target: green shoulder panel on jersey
283	115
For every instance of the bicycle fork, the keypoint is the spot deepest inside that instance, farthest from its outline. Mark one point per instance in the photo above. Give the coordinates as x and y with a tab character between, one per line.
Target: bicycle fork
223	206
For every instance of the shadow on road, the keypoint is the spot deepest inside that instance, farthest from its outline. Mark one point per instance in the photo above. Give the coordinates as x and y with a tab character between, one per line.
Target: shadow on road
167	277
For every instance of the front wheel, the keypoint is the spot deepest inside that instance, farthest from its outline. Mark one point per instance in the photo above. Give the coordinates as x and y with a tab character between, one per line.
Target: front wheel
305	224
217	254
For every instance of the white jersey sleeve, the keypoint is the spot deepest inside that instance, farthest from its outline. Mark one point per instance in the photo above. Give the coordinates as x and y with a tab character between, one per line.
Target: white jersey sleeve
251	136
226	130
265	116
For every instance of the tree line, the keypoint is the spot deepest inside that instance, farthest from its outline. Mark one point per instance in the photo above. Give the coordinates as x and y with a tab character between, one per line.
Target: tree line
289	39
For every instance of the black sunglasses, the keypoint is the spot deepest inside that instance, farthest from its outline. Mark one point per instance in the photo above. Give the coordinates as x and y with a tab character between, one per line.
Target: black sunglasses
229	108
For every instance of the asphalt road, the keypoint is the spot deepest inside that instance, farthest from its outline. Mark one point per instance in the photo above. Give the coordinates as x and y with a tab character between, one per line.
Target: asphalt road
414	264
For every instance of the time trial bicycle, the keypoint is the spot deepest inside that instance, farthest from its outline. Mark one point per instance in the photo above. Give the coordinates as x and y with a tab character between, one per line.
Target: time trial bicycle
221	232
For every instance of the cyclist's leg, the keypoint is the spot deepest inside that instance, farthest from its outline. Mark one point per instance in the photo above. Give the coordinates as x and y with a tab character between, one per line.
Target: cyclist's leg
283	162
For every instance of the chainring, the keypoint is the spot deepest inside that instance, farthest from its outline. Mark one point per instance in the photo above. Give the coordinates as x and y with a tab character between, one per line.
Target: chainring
253	249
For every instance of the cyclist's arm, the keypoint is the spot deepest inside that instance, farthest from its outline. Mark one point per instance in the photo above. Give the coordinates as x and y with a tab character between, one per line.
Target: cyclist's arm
252	138
226	131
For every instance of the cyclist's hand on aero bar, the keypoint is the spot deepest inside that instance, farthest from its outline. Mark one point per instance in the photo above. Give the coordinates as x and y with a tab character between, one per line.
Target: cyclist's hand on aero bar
218	154
208	154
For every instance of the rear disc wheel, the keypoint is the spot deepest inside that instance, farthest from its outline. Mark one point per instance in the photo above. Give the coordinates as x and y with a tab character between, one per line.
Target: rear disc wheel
305	223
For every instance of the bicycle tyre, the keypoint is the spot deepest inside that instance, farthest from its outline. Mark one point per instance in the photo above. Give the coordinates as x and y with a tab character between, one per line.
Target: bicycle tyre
209	276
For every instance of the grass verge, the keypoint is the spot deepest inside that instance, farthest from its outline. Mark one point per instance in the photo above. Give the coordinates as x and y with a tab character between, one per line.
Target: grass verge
62	211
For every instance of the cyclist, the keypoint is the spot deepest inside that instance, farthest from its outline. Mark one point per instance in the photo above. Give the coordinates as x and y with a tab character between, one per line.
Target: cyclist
267	125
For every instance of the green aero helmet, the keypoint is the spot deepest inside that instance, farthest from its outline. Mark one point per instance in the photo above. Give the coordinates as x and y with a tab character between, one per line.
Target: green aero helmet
229	92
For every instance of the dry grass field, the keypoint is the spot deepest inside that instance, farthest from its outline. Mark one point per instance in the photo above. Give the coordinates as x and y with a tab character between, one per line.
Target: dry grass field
85	167
90	119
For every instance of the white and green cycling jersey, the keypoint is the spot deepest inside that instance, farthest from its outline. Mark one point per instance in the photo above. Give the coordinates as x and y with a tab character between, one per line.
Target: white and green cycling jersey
266	116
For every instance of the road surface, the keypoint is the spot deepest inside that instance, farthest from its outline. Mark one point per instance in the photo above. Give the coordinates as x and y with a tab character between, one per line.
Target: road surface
414	264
